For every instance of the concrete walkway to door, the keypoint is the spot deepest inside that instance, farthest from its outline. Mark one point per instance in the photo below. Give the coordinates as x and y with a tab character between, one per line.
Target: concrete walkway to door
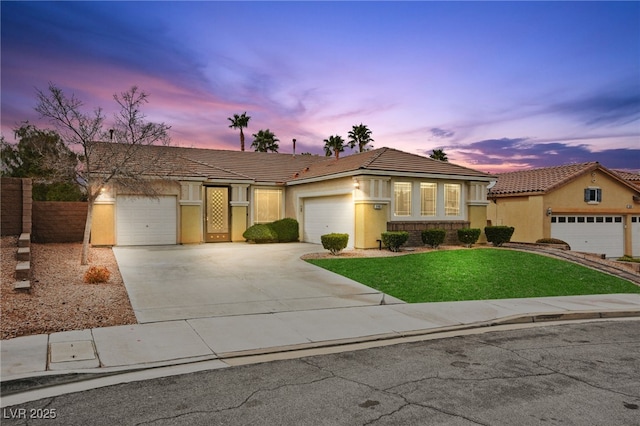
225	279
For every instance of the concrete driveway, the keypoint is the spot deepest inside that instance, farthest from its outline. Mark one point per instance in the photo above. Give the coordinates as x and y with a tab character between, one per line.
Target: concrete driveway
211	280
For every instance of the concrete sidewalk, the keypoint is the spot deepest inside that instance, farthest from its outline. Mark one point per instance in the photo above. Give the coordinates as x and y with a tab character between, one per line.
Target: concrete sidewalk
121	348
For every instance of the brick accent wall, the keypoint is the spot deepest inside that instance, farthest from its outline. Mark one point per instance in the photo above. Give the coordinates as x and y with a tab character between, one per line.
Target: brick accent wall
58	221
11	206
415	230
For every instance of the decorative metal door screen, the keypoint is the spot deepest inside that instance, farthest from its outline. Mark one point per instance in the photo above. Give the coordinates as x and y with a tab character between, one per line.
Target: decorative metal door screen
217	222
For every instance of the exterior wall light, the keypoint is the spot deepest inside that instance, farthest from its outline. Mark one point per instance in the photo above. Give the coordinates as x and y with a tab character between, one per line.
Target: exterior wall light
356	184
549	212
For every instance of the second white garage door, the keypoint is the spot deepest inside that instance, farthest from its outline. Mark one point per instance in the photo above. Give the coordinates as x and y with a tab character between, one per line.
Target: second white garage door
326	215
591	234
144	221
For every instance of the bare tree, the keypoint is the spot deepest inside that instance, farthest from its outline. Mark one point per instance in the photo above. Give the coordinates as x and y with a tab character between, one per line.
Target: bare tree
126	160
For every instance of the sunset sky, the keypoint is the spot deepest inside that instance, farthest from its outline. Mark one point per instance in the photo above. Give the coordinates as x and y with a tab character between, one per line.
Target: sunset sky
498	85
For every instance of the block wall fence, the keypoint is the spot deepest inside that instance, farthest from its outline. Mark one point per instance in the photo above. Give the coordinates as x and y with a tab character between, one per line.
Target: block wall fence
46	221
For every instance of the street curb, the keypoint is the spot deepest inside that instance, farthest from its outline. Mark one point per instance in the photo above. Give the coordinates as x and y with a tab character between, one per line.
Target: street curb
47	379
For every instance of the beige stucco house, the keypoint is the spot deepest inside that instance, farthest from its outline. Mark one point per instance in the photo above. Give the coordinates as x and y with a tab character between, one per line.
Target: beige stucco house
592	208
215	195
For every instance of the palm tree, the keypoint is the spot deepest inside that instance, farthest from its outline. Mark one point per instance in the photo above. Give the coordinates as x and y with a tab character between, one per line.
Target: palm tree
333	145
265	141
438	154
361	136
238	122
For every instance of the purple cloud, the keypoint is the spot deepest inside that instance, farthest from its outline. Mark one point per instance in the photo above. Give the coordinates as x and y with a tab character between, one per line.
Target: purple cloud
522	153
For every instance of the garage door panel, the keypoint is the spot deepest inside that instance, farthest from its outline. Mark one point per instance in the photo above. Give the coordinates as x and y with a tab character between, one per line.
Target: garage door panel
591	234
146	221
325	215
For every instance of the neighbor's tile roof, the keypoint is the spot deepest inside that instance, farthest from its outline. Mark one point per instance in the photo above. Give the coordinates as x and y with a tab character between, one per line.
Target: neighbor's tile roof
386	160
543	180
633	178
273	167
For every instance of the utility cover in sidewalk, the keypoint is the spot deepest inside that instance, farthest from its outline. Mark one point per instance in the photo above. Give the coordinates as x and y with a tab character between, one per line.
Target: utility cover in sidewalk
72	351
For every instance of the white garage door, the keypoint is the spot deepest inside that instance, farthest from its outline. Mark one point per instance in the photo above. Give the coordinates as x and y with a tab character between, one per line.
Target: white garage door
591	234
325	215
144	221
635	235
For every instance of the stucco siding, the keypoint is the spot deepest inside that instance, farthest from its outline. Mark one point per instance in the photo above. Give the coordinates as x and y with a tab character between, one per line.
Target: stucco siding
370	223
103	225
238	222
478	219
570	197
525	214
190	224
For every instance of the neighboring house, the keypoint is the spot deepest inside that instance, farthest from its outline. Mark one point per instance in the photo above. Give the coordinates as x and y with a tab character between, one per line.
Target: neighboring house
215	195
590	207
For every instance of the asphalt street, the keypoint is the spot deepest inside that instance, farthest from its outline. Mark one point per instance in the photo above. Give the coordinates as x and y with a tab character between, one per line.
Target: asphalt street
570	374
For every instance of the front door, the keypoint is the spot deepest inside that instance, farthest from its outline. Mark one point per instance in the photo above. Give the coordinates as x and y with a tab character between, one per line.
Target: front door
217	220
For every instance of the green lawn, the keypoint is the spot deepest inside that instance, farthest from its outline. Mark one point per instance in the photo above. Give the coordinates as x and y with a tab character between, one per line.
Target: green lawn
477	274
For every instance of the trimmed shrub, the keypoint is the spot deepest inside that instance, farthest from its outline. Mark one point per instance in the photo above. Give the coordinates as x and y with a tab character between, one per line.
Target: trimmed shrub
334	242
96	275
393	240
286	229
260	233
433	237
468	236
498	235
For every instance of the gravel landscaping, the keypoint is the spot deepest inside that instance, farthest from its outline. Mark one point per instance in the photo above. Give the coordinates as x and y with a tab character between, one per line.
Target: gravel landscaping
59	299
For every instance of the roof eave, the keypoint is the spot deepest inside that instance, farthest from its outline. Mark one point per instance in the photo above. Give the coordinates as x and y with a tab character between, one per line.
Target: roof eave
370	172
515	194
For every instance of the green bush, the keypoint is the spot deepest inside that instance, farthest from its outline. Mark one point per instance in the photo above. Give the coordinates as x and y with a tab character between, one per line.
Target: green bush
393	240
433	237
499	235
468	236
59	191
286	229
334	242
260	233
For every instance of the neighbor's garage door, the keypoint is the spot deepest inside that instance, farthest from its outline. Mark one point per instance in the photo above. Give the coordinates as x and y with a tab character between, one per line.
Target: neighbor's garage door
144	221
591	234
325	215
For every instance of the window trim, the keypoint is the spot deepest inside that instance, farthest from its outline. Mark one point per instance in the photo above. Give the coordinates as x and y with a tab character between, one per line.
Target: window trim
459	200
416	200
593	195
254	202
395	199
435	199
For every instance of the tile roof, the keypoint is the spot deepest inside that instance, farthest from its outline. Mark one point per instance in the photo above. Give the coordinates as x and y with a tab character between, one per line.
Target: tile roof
633	178
386	160
543	180
274	167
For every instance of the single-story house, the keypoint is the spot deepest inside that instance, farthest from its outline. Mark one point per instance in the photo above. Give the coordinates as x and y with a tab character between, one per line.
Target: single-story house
590	207
211	195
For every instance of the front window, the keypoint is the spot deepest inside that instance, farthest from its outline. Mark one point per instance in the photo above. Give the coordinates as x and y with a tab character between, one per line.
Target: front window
452	192
428	195
267	205
402	198
593	195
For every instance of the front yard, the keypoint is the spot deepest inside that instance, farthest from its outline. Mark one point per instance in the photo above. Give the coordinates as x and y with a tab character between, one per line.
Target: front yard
59	299
474	274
